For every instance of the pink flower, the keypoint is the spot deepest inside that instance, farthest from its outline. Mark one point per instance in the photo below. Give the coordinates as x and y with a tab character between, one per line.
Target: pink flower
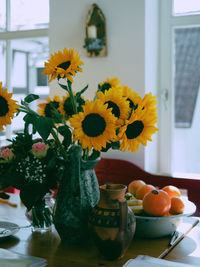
6	153
39	150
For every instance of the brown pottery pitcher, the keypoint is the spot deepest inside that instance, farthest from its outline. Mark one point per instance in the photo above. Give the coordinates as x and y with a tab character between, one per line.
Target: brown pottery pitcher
112	222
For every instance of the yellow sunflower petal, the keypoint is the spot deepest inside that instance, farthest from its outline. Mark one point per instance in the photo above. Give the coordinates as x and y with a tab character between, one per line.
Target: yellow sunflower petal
45	109
95	126
115	100
63	64
8	107
139	129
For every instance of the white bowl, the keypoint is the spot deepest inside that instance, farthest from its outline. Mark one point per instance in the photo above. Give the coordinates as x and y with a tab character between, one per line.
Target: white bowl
153	227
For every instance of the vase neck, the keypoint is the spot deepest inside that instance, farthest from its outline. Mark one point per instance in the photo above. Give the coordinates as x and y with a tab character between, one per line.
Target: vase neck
111	195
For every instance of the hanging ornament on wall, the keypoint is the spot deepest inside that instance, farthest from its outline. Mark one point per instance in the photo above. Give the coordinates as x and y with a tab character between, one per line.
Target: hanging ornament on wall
95	41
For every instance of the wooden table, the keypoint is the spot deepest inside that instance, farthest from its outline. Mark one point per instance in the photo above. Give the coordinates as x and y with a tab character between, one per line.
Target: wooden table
48	245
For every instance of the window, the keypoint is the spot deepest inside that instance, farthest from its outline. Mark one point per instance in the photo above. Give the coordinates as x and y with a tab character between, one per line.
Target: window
187	74
2	15
22	53
185	7
180	77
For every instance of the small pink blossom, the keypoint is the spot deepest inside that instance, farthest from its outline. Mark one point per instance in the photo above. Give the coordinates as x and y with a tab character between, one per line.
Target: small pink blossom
6	153
39	150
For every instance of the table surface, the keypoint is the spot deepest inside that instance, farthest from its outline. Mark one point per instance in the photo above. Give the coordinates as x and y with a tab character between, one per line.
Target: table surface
49	246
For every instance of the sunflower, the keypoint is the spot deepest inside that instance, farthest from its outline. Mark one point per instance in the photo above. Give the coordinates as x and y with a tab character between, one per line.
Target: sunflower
133	98
139	129
8	107
63	65
115	100
46	108
95	126
149	102
106	85
66	108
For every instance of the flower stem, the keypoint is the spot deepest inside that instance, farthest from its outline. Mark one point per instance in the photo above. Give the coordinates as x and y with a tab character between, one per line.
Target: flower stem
58	142
73	100
85	153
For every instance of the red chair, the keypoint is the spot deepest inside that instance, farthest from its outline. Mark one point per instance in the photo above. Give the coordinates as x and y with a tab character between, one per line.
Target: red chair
123	172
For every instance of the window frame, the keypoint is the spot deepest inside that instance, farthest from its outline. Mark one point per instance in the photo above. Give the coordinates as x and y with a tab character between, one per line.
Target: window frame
8	36
168	22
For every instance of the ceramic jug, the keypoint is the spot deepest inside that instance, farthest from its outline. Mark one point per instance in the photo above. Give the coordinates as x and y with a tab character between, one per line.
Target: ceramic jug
112	222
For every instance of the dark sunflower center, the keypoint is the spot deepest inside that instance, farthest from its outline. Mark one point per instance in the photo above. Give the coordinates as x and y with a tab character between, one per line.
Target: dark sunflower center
64	65
4	108
131	104
49	107
93	125
115	108
68	108
105	86
134	129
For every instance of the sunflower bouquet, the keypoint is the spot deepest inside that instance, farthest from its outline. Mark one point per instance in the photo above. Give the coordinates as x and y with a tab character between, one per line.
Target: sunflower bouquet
117	118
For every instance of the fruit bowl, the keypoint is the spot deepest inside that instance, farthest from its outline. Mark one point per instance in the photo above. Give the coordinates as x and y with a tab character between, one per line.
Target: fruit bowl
154	227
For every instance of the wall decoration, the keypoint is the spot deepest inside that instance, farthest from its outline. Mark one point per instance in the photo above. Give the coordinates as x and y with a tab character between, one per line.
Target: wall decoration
95	41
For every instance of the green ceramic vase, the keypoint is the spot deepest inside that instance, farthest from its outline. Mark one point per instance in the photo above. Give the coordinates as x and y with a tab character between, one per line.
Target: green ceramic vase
78	193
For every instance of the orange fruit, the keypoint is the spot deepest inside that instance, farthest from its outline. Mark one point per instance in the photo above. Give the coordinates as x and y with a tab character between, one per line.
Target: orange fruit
156	203
172	191
177	205
134	185
141	191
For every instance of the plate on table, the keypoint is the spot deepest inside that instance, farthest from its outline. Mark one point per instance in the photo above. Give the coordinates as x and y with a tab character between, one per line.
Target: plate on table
8	229
153	227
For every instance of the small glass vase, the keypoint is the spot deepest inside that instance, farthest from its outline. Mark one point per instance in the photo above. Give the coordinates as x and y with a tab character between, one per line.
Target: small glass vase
40	217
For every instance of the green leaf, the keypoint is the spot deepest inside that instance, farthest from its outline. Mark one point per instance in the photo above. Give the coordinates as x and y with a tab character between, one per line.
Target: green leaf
79	100
30	98
21	144
108	146
29	118
64	87
43	126
115	145
82	91
56	115
95	154
66	133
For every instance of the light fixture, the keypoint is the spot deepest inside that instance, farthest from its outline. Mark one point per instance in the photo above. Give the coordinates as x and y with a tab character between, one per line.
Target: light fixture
95	41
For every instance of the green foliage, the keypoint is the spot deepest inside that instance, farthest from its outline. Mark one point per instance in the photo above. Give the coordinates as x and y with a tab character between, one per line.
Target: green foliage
104	87
30	98
43	125
31	193
79	99
66	133
56	116
22	144
95	154
112	145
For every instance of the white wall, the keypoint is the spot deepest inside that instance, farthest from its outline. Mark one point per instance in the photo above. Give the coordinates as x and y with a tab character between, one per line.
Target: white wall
125	36
151	74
